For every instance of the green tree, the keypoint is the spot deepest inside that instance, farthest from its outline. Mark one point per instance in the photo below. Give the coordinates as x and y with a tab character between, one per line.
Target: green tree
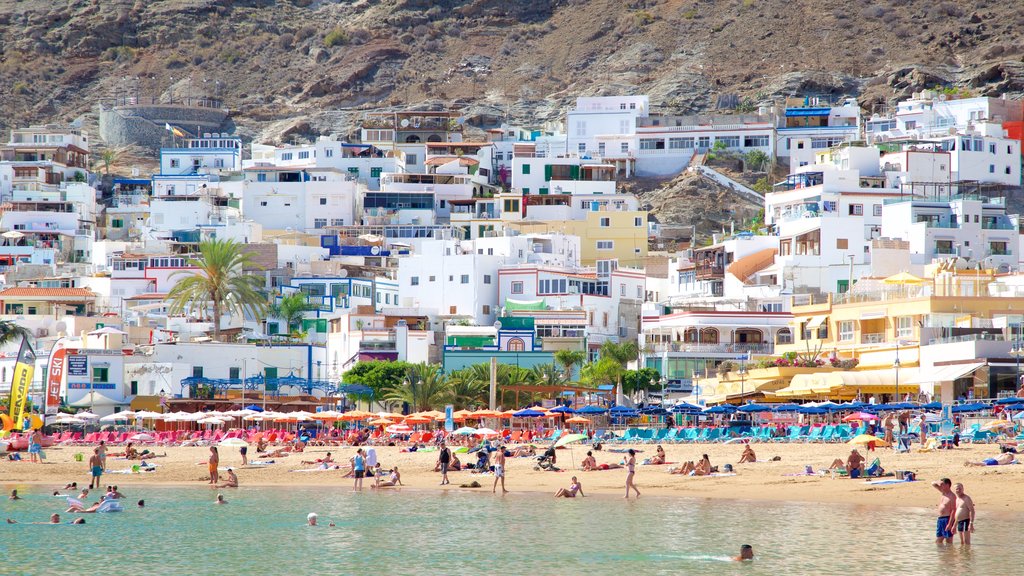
290	308
568	359
470	386
108	157
622	353
378	375
11	333
547	375
756	159
640	381
423	388
601	371
219	284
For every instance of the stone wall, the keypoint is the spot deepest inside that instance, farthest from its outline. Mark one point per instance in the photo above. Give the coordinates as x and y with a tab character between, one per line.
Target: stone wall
144	125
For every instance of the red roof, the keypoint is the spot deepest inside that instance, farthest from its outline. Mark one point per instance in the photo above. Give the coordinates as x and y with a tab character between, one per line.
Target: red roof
47	292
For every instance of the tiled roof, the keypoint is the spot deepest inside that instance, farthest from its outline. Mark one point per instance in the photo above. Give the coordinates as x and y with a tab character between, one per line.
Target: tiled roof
46	292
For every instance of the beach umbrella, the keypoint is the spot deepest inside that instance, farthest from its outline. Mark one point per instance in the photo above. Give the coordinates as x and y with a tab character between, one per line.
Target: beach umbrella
418	420
380	422
486	432
211	420
812	410
114	418
859	417
528	413
486	414
577	420
459	415
1018	416
398	429
233	442
868	438
300	415
253	418
143	414
752	407
465	431
1010	400
327	415
685	408
508	414
788	407
720	409
390	415
86	415
904	279
354	415
562	410
997	425
570	438
974	407
592	409
432	414
142	438
932	406
254	408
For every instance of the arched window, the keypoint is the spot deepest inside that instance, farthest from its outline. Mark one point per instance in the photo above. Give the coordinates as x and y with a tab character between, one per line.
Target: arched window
784	336
433	138
748	336
709	336
516	345
690	336
412	139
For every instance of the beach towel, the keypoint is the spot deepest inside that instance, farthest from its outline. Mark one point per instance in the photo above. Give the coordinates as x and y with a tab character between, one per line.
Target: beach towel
315	469
371	457
261	463
889	481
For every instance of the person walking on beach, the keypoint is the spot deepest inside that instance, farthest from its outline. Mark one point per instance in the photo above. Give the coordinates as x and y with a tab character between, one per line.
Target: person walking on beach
444	457
889	424
212	465
102	448
499	470
630	472
35	446
358	469
945	524
964	514
96	467
244	450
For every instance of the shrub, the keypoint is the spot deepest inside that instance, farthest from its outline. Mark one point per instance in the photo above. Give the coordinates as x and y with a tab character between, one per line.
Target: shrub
335	37
690	14
727	366
643	18
20	88
285	41
304	33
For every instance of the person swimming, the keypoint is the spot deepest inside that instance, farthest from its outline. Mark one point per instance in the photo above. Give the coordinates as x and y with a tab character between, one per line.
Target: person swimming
746	554
220	499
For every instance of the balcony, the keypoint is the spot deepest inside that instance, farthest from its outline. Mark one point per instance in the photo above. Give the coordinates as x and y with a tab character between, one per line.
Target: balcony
997	225
701	348
378	346
873	338
709	271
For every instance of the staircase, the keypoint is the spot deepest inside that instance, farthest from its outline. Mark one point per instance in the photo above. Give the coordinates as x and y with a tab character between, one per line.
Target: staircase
723	180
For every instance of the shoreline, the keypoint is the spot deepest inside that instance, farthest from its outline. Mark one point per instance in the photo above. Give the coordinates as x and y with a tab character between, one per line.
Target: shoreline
761	482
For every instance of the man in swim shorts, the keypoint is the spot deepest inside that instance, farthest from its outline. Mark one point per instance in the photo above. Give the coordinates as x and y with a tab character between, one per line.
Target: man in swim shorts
35	446
945	524
444	458
499	470
96	468
964	514
746	554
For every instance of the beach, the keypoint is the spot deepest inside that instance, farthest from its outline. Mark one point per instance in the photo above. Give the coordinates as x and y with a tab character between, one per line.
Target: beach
762	480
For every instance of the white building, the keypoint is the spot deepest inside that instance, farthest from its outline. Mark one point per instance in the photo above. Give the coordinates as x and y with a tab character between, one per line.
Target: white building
41	158
213	153
811	125
305	199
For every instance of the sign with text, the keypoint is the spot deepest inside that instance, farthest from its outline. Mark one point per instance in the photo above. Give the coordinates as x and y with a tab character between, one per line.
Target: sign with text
91	386
78	365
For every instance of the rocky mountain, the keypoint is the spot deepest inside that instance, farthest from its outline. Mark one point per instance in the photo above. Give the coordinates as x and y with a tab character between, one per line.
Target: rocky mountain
294	69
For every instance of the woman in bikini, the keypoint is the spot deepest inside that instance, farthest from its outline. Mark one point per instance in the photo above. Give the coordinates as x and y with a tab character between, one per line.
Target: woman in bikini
571	491
631	471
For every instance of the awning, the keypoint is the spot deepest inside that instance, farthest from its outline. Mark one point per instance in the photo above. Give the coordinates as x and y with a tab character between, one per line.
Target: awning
945	373
816	321
847	383
872	315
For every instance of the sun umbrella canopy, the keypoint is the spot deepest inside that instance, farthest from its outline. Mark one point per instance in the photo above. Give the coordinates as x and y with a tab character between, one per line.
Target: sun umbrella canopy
211	420
398	429
859	417
528	413
562	410
997	425
904	278
114	418
233	442
486	414
789	407
812	410
868	438
720	409
685	408
254	408
577	420
418	420
381	422
569	438
486	432
143	414
86	415
465	431
592	409
327	415
932	406
752	407
142	438
973	407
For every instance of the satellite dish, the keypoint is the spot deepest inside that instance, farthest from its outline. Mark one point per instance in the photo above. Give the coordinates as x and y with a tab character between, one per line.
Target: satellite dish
342	273
404	123
375	250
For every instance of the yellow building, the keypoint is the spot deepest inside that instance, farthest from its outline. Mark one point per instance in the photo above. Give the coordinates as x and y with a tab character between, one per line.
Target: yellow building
604	235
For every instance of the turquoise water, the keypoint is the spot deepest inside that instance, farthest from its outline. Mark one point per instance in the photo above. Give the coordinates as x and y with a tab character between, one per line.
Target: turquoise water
262	531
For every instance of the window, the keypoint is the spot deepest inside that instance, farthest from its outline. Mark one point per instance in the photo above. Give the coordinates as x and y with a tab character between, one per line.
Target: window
606	222
432	279
517	287
414	281
652	144
991	148
319	222
755	141
337	221
624	147
876	210
1006	170
487	278
286	156
303	155
680	143
411	159
638	222
605	244
904	326
263	203
233	372
842	243
261	177
464	279
117	223
175	162
729	141
323	201
704	142
328	153
846	331
499	156
856	209
991	168
134	390
486	309
632	105
622	289
640	292
526	168
375	171
581	147
218	163
600	148
511	205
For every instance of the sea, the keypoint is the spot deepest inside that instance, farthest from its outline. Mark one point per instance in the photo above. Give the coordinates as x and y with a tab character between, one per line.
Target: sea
263	530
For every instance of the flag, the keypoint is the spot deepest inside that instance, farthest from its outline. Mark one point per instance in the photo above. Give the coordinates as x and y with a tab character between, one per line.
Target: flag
21	382
178	132
168	127
55	377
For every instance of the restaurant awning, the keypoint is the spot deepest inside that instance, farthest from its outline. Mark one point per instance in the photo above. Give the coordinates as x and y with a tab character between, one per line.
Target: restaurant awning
847	383
945	373
816	321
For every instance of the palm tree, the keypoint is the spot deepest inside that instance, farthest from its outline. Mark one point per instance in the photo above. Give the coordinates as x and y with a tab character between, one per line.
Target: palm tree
568	359
11	332
291	308
108	157
219	283
470	386
621	353
547	375
424	388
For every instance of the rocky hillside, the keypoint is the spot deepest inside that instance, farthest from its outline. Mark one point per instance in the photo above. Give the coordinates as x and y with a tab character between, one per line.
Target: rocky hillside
305	64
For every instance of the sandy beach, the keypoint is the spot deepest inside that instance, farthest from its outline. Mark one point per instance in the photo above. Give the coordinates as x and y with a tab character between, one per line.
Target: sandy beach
763	480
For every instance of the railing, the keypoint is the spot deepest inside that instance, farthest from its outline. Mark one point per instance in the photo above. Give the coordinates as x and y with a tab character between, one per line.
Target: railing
808	299
988	336
709	271
873	338
739	347
896	293
997	226
378	345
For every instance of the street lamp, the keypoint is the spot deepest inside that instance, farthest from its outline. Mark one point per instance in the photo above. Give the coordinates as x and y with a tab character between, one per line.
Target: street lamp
743	375
696	387
896	368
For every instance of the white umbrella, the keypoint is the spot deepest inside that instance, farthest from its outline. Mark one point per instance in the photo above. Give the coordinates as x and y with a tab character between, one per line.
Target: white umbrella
253	417
300	415
398	429
86	415
144	414
107	330
211	420
465	431
486	432
114	418
142	438
233	442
